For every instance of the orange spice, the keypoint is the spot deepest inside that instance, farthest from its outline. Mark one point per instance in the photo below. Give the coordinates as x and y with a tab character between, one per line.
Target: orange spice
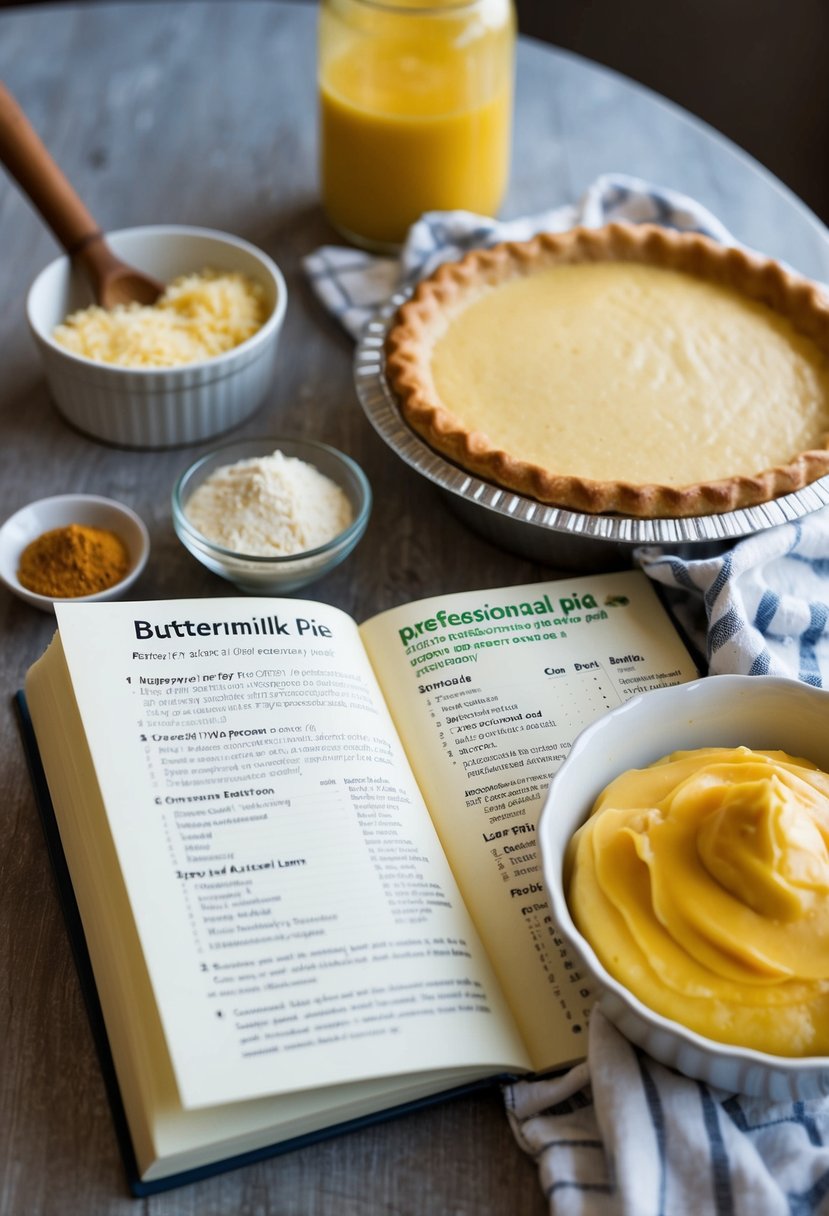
76	560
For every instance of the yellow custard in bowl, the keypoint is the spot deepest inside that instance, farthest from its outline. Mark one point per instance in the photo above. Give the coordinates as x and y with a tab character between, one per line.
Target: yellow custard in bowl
702	884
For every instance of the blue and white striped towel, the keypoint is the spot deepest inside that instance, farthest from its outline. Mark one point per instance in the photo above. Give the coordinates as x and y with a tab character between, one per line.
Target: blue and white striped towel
762	608
353	285
620	1134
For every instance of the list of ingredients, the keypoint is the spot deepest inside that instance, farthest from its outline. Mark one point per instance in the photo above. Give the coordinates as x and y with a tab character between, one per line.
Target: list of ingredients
289	887
492	691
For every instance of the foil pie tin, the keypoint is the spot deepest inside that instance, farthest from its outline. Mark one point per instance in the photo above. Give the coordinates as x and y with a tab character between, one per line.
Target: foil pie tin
552	535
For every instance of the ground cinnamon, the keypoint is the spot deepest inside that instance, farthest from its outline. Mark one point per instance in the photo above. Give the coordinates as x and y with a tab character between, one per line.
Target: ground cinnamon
76	560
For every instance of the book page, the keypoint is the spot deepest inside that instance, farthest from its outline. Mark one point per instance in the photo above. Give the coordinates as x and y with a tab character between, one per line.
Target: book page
298	920
488	690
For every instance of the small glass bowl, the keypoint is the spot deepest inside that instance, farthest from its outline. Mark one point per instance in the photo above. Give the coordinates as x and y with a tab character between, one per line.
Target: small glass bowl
276	575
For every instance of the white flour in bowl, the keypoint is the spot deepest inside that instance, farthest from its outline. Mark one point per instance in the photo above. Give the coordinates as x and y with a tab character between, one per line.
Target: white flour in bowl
269	506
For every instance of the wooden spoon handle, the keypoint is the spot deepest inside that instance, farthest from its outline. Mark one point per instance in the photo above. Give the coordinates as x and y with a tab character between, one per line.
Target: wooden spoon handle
26	158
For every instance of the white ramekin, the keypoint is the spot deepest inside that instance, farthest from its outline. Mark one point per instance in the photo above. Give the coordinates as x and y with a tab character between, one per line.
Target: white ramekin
149	408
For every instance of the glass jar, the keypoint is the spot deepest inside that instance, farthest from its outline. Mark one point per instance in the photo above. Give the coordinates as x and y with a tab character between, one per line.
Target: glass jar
415	111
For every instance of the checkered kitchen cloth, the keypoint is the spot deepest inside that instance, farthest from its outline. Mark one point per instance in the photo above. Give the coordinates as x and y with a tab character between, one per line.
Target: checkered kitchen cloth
620	1134
353	285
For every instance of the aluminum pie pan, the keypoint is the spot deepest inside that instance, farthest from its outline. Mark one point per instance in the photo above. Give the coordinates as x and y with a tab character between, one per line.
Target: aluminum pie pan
552	535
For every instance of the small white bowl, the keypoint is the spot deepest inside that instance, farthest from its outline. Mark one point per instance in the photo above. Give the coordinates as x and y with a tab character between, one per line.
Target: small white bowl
167	407
88	509
719	711
259	575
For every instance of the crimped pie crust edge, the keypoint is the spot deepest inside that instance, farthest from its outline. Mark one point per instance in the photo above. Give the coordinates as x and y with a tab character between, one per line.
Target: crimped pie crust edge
421	321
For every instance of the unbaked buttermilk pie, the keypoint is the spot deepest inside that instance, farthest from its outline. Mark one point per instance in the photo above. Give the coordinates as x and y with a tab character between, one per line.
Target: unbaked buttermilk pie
628	369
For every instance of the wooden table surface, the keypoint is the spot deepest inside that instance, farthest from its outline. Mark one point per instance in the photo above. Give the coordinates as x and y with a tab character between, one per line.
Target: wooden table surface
204	113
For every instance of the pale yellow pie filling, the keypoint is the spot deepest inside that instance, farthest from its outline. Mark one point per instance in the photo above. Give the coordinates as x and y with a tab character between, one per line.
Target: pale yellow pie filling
622	371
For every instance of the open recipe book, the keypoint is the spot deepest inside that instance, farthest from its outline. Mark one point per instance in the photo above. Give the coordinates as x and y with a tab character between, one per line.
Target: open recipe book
303	851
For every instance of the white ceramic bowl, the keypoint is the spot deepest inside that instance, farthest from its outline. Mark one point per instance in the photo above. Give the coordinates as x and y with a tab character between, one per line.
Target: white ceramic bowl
158	408
727	711
89	509
274	575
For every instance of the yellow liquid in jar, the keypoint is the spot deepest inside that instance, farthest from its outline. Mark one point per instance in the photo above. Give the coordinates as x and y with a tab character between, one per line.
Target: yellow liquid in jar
409	126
